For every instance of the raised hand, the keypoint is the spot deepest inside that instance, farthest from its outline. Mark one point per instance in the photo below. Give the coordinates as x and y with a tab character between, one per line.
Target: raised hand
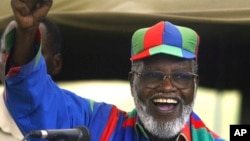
29	13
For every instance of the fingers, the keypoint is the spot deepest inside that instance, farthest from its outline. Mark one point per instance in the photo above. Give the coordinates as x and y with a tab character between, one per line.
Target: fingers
41	13
31	4
30	12
20	8
42	9
25	7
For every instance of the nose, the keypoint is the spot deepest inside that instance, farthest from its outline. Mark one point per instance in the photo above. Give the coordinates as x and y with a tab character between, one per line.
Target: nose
166	83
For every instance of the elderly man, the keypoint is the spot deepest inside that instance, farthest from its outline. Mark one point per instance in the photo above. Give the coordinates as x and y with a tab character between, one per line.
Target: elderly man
163	81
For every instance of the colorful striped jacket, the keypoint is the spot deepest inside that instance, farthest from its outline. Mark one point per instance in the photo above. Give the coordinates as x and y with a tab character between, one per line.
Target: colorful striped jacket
36	102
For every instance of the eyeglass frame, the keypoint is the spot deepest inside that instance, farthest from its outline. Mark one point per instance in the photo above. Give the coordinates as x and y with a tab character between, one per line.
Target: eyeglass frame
165	77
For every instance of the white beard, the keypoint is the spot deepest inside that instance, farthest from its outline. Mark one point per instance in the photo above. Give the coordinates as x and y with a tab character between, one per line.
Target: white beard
164	130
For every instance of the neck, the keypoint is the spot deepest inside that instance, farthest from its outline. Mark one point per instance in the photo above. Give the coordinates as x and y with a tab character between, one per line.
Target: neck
154	138
158	139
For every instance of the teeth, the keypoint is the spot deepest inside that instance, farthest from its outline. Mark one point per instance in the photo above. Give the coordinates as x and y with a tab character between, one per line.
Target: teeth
163	100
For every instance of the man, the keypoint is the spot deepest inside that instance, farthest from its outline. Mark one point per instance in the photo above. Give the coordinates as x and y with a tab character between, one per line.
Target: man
52	44
163	81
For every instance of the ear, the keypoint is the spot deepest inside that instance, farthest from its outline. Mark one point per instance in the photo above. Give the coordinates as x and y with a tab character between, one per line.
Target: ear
131	81
197	80
57	63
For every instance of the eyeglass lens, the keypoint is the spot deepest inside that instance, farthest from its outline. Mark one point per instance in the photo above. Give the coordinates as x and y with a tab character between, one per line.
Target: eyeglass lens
178	79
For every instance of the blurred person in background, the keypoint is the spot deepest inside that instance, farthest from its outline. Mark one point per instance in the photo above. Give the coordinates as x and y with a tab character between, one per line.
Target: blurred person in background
52	47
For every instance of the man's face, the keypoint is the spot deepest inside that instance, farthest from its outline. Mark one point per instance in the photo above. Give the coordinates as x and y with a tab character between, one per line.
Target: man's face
52	60
46	48
46	51
162	107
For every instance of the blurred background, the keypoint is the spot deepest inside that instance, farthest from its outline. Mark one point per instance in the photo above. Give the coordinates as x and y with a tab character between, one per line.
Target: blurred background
96	50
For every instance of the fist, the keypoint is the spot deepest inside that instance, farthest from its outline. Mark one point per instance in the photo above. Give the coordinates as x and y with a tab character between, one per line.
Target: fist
29	13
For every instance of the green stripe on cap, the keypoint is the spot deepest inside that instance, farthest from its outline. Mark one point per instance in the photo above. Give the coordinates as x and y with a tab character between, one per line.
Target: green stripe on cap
138	40
166	50
189	38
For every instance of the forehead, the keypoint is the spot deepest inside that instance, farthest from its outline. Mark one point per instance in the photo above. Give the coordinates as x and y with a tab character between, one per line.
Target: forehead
166	61
164	57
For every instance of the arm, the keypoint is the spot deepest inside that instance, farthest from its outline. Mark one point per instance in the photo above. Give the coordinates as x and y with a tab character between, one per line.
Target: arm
33	99
28	14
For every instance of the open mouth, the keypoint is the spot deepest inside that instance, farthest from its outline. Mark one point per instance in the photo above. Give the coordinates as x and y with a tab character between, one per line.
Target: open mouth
165	105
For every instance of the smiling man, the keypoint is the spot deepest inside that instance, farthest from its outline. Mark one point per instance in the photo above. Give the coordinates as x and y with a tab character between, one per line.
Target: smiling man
163	80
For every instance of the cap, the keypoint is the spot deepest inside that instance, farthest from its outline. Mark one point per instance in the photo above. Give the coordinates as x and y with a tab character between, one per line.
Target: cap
166	38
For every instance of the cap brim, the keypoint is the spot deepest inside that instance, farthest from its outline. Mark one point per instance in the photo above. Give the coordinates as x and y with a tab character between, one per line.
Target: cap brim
165	49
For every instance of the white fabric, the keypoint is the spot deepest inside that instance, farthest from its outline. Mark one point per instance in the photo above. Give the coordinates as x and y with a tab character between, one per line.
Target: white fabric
7	124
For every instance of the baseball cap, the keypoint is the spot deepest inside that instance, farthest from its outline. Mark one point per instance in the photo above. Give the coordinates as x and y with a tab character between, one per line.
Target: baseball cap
167	38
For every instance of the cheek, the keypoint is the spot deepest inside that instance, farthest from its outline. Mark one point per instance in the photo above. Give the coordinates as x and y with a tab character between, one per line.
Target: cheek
48	59
188	96
141	92
49	63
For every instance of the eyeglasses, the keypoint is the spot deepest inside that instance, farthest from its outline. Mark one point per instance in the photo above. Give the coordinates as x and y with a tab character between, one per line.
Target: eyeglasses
153	79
